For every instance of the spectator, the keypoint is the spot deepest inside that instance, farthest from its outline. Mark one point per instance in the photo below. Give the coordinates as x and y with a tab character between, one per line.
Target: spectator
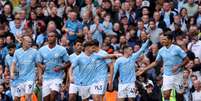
198	20
159	23
191	7
195	45
167	14
16	26
154	32
187	85
3	51
3	97
97	30
107	25
56	19
7	15
72	27
150	95
196	95
89	7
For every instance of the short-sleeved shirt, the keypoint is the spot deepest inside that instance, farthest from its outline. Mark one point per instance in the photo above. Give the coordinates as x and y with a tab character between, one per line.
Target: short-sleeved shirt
87	66
52	58
171	56
26	61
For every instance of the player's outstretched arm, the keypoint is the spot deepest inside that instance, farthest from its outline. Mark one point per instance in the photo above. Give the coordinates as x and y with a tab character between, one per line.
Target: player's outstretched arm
141	71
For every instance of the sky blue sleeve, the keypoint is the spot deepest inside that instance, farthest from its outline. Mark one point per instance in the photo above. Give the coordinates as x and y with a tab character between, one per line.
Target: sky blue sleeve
139	52
6	61
181	53
158	57
39	56
15	57
65	56
75	62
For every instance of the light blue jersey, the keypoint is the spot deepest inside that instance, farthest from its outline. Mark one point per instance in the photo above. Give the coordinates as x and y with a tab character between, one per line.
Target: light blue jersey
171	56
102	67
52	58
8	63
26	63
75	70
126	66
87	65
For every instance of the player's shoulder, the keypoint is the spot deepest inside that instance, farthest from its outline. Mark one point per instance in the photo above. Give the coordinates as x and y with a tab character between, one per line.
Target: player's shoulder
120	59
176	47
7	56
42	48
60	47
33	49
18	50
74	55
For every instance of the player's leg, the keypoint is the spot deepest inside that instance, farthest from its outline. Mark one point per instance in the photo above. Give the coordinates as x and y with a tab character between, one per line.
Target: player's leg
98	90
122	92
46	90
15	91
53	95
55	87
166	94
121	99
178	81
72	97
131	99
168	85
46	98
131	92
29	85
97	97
16	98
73	89
84	92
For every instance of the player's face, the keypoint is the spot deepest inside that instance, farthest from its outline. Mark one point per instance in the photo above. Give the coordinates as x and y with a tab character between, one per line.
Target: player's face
11	51
51	38
93	49
165	41
129	51
27	42
78	47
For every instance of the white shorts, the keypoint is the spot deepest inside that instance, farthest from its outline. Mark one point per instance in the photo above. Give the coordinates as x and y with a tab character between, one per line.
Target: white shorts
24	88
73	89
98	88
84	92
126	90
173	82
15	91
51	85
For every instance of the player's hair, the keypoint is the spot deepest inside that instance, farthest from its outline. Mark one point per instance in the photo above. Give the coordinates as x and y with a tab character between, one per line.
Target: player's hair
11	45
169	35
125	47
96	43
78	41
194	76
55	33
27	36
88	44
